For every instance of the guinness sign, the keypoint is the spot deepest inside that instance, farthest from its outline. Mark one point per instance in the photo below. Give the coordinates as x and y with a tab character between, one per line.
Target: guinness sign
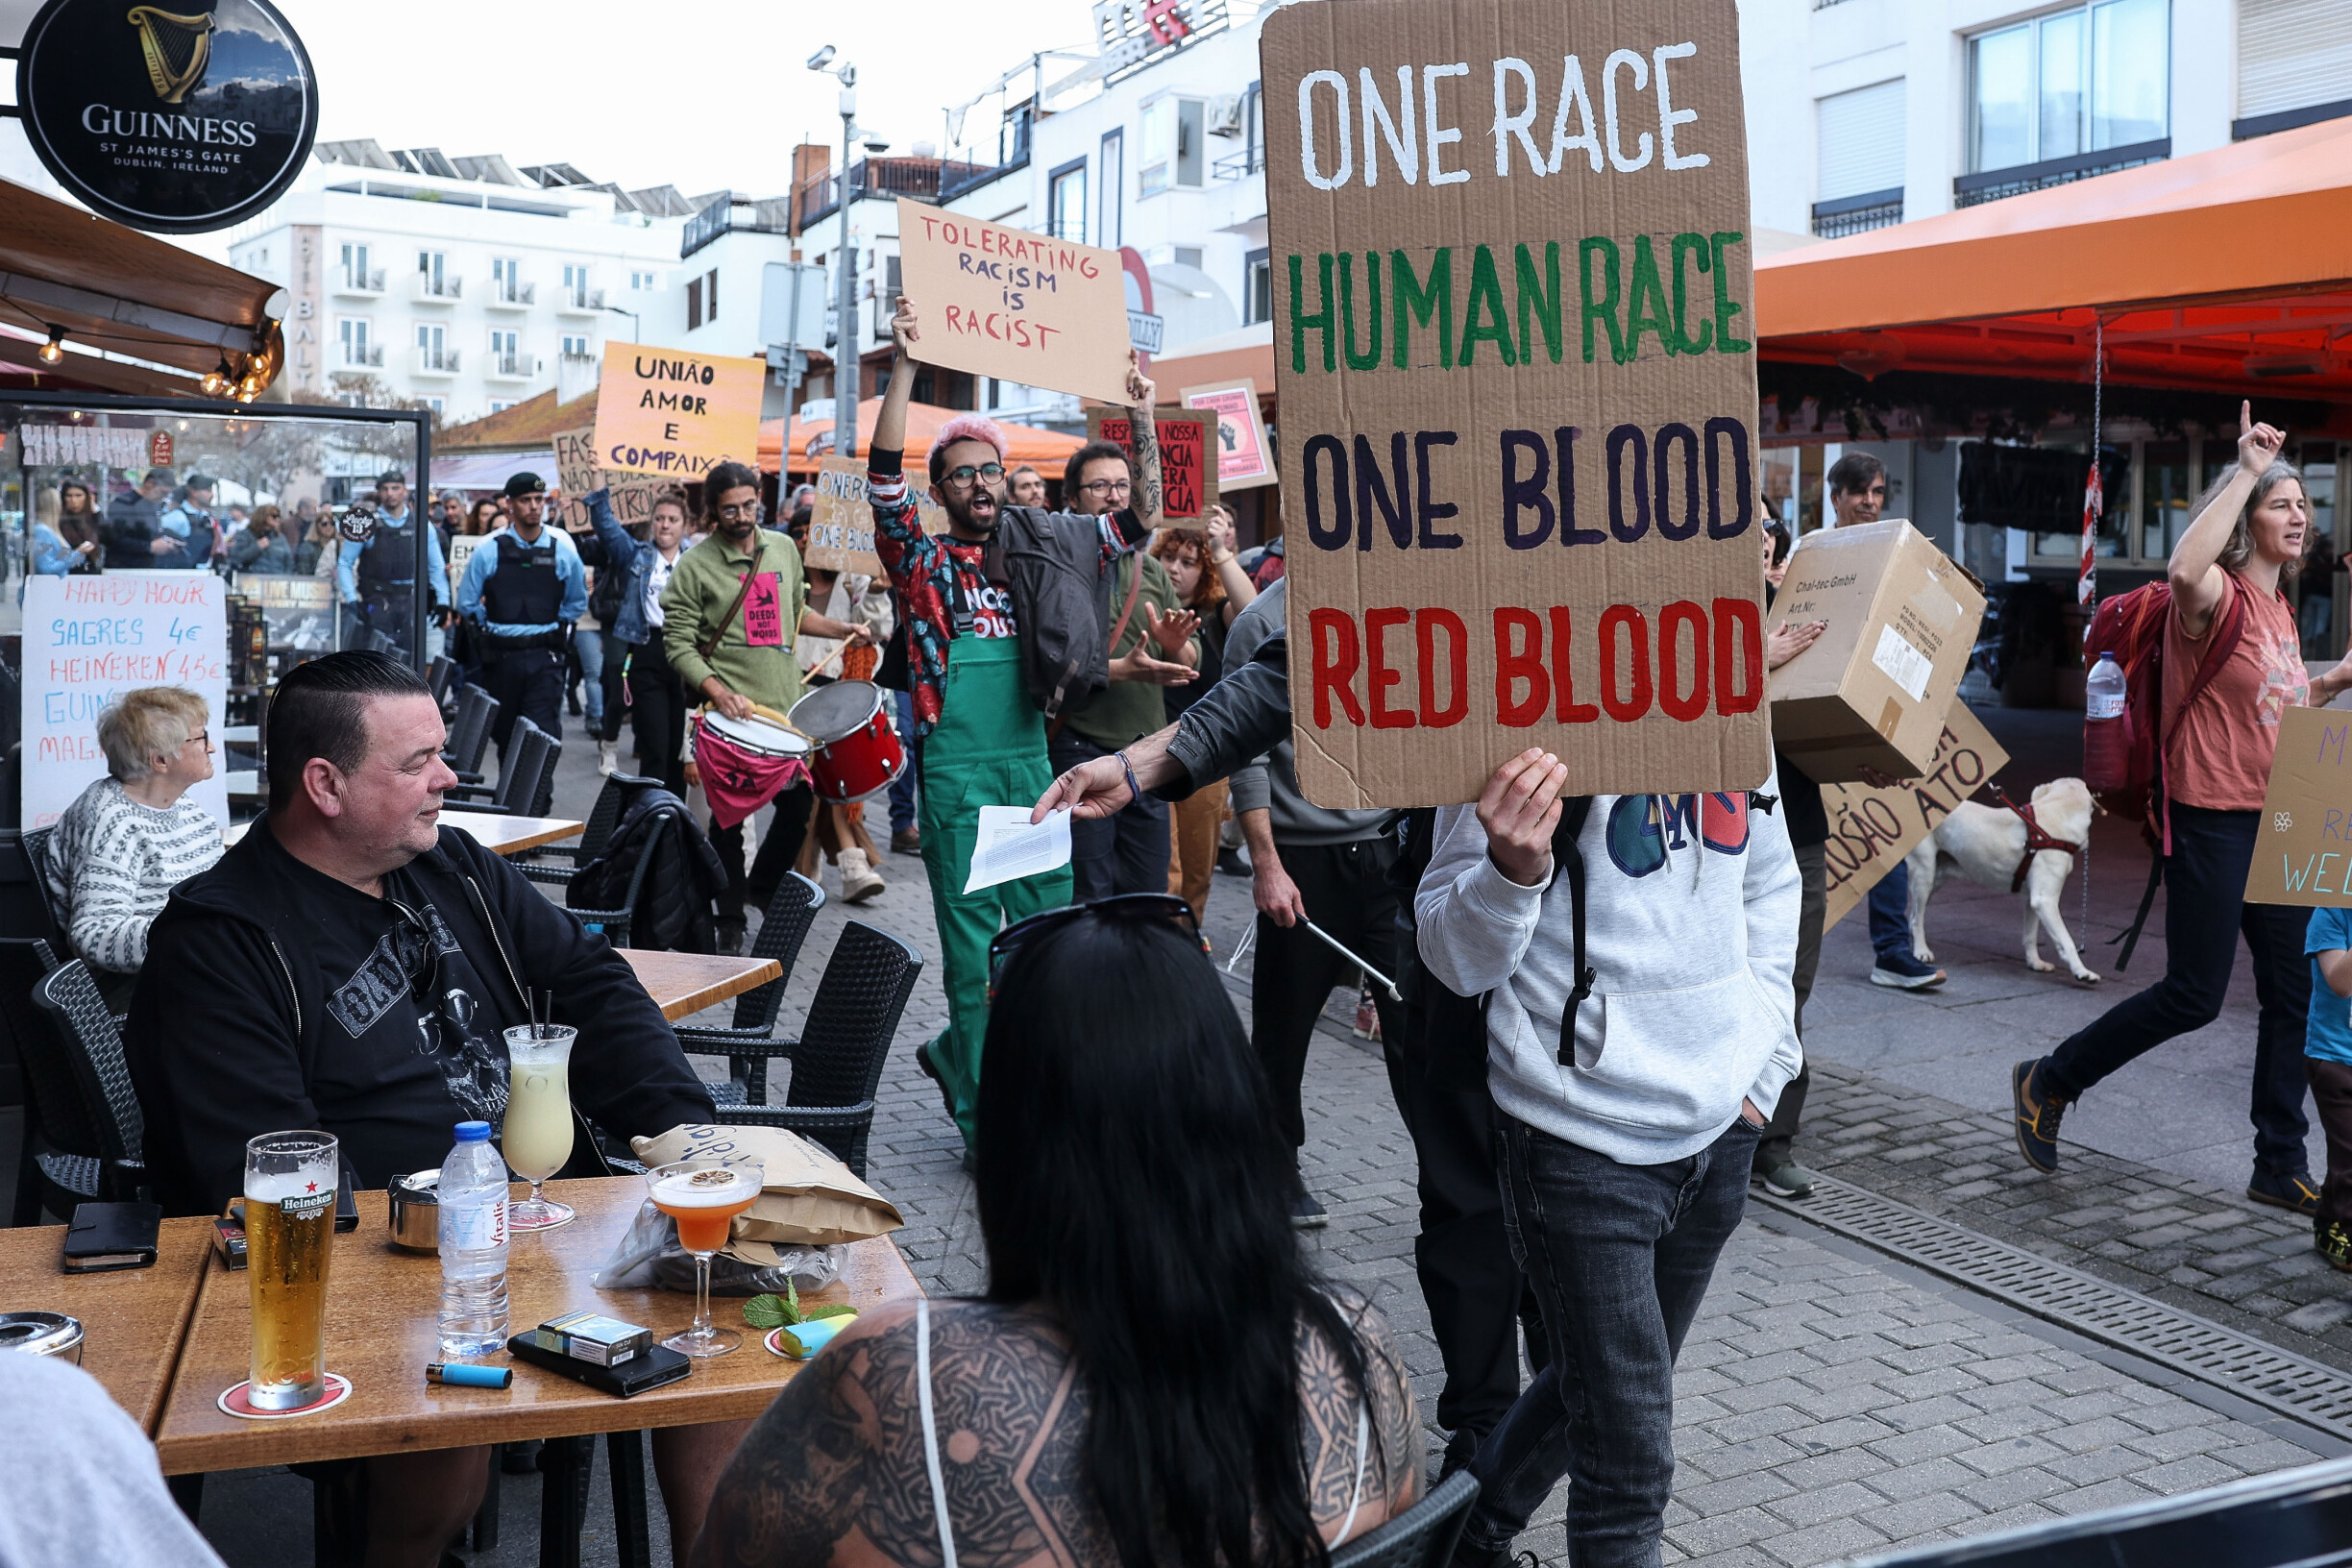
178	118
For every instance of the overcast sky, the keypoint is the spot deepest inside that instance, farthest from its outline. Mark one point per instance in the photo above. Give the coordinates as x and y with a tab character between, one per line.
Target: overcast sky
696	93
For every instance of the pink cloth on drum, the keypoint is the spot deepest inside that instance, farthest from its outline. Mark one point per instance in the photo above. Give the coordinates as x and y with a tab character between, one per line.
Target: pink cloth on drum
737	781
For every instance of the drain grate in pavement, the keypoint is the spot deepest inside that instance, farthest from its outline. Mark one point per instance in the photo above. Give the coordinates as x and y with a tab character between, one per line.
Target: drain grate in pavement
2310	1392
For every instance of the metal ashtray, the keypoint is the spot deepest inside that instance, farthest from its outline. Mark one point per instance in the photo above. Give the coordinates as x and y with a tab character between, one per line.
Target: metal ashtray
42	1334
416	1211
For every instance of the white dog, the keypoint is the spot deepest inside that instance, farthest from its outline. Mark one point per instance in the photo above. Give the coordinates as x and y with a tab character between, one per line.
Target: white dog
1985	844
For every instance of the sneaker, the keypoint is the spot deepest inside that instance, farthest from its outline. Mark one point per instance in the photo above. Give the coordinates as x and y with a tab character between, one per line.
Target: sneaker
1787	1180
2332	1241
1367	1017
1306	1214
608	757
906	841
930	1070
1904	972
860	881
1230	862
729	938
2292	1190
2037	1118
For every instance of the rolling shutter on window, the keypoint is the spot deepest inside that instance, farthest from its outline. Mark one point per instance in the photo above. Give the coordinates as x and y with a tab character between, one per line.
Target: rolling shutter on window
1861	142
2293	54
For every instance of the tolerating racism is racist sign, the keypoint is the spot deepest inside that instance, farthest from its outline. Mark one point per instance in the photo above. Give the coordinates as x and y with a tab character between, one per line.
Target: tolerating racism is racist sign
1513	344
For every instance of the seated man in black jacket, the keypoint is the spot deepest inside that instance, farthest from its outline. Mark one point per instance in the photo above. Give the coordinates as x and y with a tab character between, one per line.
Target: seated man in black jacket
352	965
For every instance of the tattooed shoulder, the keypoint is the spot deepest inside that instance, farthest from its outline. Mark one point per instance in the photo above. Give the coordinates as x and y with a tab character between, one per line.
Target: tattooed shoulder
837	1466
1329	1402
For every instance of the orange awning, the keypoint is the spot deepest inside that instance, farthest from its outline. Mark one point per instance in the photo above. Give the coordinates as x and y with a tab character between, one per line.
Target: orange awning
2221	271
1023	443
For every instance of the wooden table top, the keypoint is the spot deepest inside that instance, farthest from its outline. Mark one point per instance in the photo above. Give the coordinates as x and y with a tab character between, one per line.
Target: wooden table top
501	835
380	1312
685	983
133	1319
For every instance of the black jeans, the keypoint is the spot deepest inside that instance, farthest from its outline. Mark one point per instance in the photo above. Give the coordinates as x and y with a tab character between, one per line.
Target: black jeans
657	714
1620	1257
1125	852
1479	1302
528	683
2205	912
1812	908
780	846
1345	888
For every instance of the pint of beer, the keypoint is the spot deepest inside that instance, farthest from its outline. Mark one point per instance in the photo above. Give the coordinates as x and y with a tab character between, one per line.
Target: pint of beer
289	1221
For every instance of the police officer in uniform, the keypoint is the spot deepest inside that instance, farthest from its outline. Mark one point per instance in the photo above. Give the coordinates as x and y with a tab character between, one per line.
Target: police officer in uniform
523	590
376	576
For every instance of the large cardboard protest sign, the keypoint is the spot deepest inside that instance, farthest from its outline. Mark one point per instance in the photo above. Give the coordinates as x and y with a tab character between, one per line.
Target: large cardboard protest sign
1188	470
1871	830
1015	304
1245	458
2303	846
675	413
840	522
1512	337
578	474
86	641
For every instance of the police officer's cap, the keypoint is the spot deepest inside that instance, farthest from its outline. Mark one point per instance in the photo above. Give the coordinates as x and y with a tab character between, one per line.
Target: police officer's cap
526	484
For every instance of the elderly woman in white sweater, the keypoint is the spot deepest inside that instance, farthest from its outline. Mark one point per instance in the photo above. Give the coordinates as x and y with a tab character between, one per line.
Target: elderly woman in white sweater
134	835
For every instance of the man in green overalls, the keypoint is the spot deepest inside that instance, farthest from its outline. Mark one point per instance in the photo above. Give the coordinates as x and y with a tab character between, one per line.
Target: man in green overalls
978	739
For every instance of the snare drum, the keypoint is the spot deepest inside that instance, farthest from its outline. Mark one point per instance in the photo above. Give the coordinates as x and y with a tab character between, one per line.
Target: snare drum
858	753
756	736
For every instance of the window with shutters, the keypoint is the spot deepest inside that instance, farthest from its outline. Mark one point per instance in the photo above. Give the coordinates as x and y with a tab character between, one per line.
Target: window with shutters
2295	64
1859	143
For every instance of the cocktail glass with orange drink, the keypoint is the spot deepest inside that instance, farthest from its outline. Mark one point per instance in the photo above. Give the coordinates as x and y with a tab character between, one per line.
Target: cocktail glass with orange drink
704	1194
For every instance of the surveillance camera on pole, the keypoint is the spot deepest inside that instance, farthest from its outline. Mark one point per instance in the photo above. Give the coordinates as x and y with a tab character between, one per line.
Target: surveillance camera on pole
823	57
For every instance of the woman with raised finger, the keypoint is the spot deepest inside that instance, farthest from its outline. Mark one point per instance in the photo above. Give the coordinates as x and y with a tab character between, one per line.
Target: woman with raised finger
2232	663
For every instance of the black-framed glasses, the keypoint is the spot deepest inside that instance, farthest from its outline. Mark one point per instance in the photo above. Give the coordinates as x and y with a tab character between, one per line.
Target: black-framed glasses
1108	488
1128	906
991	472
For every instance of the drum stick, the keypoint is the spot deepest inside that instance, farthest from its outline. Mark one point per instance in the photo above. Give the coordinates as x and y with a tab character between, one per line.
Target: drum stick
1333	942
762	711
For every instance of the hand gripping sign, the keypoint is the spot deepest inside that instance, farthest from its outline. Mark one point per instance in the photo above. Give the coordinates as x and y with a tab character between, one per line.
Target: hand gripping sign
1511	338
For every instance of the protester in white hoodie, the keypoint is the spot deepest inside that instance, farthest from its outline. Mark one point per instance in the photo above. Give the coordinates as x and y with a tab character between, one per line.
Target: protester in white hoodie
1625	1156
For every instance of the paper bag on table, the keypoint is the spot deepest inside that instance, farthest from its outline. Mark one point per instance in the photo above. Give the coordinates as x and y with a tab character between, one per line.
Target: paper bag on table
807	1196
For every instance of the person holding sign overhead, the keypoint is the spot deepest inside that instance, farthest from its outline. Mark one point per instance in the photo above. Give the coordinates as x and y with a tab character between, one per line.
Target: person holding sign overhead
735	605
979	738
521	593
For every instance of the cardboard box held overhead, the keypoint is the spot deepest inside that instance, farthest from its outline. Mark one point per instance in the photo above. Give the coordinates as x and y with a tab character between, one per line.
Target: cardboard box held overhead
1871	693
1512	337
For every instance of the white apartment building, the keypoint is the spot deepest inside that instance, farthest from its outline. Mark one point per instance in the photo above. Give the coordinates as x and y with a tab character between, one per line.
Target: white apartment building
461	283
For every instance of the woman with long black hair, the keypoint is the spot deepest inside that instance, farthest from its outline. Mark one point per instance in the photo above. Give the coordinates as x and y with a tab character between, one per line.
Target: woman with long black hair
1155	1376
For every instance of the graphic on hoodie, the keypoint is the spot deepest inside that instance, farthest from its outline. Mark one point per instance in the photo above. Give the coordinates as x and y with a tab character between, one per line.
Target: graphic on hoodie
1645	829
406	966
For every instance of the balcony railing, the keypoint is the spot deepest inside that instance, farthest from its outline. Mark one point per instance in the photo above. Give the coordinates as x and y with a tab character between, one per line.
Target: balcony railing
434	361
581	302
362	356
1240	165
510	295
1858	214
442	290
511	367
354	281
1974	190
923	178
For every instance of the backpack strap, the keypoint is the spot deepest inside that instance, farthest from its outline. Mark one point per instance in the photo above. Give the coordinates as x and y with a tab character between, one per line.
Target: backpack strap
2226	636
1570	859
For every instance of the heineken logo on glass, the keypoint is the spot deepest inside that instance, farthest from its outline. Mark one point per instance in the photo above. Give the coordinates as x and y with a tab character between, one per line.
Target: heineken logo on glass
178	119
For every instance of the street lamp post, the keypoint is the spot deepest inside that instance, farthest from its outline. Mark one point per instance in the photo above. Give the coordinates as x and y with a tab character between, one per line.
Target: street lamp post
848	373
636	327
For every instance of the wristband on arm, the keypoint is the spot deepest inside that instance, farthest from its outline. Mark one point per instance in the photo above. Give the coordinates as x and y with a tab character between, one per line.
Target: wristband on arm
1133	789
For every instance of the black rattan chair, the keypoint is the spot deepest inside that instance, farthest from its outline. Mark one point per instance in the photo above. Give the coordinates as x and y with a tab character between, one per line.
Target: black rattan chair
1422	1536
752	1040
470	737
441	674
57	1162
612	804
85	1036
837	1062
526	783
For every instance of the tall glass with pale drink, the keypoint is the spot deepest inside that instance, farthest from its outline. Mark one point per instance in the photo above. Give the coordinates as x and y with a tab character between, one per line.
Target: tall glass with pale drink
289	1221
703	1194
537	1138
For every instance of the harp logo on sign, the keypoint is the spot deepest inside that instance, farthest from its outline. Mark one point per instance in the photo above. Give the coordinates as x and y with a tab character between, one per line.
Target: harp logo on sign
171	120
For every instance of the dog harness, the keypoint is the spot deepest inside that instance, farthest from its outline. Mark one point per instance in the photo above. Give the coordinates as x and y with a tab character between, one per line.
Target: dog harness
2036	838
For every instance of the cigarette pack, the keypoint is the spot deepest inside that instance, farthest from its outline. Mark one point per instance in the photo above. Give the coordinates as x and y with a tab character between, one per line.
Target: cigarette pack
228	1238
585	1336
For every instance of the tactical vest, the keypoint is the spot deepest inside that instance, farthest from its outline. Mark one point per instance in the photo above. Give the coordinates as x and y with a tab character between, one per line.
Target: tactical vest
387	565
524	589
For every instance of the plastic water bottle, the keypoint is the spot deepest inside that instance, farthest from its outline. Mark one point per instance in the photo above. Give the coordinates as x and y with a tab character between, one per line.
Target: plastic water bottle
472	1221
2106	733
